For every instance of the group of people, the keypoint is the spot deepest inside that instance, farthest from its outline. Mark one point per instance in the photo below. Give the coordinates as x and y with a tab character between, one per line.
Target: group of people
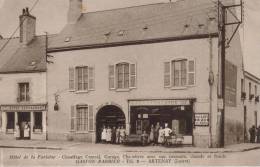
254	134
157	135
25	129
114	135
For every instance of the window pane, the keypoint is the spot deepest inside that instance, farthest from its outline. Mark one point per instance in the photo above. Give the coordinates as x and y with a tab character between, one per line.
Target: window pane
82	119
85	78
120	76
24	92
177	73
10	120
183	73
80	75
126	75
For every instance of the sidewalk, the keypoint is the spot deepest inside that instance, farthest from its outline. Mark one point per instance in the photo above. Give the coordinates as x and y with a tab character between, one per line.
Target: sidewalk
65	145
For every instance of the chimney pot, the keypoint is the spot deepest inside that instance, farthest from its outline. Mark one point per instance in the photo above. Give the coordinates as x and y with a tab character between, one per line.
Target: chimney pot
23	11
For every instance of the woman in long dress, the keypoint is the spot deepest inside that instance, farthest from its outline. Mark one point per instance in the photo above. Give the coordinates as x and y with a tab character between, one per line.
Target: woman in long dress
26	131
104	134
161	135
109	135
17	131
151	136
118	135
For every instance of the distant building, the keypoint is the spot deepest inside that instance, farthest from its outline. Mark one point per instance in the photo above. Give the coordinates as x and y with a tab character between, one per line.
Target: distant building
137	66
23	81
250	97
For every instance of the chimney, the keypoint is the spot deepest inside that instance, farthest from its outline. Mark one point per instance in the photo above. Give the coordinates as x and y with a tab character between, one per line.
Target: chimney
75	8
27	27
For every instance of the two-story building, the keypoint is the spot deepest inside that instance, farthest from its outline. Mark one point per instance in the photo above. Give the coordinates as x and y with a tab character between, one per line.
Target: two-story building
23	81
136	66
250	98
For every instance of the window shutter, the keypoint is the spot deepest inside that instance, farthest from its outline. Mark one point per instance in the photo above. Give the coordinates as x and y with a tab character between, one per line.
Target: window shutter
71	79
91	121
73	118
111	78
191	72
91	79
132	75
167	74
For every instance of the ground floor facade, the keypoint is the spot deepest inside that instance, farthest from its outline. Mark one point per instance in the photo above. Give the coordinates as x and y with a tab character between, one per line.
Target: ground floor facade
85	122
15	117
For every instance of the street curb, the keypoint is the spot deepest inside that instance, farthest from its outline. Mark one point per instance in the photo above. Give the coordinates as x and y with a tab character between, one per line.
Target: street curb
49	148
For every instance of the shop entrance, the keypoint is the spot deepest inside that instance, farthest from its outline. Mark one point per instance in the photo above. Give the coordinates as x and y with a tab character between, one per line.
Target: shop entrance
23	118
111	116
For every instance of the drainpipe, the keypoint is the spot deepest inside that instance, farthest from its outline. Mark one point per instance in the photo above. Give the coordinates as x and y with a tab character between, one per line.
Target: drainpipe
211	81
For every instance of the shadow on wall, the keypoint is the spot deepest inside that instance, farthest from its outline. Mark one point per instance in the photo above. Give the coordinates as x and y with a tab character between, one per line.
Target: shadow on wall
234	132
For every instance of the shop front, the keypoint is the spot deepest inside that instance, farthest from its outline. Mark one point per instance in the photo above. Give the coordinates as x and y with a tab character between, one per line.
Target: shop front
176	113
24	116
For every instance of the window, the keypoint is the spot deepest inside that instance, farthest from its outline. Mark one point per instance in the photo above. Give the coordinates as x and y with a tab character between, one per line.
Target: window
81	78
242	85
10	120
122	76
179	73
37	120
255	90
250	88
23	92
82	118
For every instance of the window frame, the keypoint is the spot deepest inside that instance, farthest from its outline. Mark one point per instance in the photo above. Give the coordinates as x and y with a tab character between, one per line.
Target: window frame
172	75
26	87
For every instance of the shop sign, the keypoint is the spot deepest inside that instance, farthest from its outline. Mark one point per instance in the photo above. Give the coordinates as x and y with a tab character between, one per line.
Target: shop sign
41	107
201	119
159	102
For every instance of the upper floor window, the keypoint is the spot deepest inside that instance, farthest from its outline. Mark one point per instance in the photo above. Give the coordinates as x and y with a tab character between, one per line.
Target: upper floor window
250	88
242	85
81	78
255	90
122	76
179	73
23	92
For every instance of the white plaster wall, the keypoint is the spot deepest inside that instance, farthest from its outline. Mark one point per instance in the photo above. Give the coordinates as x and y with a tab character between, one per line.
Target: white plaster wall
150	72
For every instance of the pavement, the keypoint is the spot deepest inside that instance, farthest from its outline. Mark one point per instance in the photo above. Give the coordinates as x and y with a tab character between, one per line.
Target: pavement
71	145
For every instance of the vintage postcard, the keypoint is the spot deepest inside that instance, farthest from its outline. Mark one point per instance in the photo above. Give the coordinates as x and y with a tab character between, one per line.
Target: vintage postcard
129	83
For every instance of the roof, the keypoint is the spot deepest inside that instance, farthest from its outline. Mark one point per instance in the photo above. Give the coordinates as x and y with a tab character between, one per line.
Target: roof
139	23
251	77
17	58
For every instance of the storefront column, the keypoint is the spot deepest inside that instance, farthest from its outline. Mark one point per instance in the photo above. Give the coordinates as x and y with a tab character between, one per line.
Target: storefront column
4	121
15	118
44	121
32	123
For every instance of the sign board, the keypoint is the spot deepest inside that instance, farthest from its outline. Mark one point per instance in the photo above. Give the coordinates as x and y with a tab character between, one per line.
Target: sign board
40	107
160	102
201	119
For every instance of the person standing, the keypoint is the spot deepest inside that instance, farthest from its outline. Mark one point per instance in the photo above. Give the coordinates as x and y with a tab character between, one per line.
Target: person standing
109	135
167	133
161	135
118	135
104	134
252	132
151	136
113	135
17	131
258	134
27	131
156	132
122	134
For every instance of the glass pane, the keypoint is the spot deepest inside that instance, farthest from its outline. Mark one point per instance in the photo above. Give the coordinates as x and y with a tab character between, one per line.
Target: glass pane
183	73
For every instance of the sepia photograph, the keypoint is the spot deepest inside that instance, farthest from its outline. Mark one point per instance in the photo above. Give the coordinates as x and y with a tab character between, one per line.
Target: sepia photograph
129	83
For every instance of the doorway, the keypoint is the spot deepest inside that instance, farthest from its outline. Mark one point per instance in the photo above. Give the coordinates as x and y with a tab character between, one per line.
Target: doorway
23	118
111	116
245	126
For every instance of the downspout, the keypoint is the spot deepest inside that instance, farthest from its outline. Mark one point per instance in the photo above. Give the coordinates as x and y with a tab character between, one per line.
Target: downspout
211	81
46	96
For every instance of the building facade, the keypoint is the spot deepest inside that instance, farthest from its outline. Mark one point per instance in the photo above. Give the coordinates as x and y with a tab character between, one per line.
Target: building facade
250	97
23	82
134	67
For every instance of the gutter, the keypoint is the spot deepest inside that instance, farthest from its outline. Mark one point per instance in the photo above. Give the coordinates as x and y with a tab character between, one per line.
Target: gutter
136	42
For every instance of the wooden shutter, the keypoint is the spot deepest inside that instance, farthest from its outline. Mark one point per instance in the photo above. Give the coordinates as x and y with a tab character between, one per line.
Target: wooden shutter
132	75
73	118
71	79
111	78
91	79
167	74
91	121
191	72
